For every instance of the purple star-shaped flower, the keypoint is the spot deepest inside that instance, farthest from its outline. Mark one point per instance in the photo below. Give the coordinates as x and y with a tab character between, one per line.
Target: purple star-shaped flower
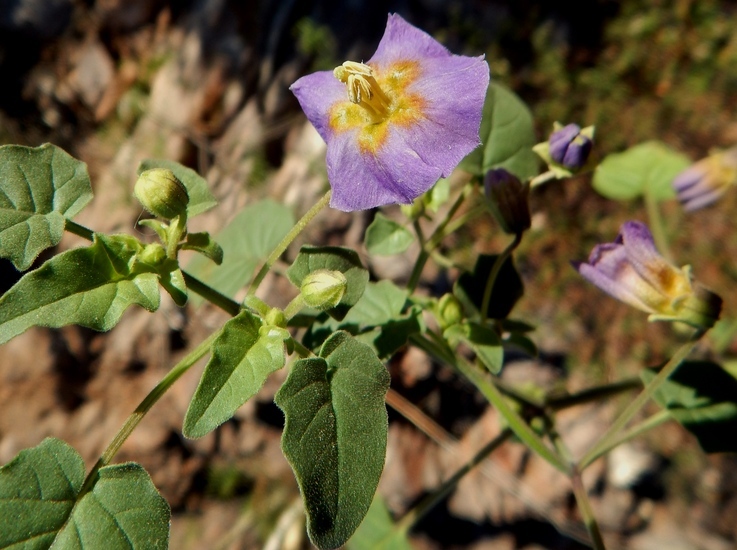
397	123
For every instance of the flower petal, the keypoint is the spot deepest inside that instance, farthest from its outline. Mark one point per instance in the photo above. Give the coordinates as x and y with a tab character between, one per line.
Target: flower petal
317	93
403	41
361	180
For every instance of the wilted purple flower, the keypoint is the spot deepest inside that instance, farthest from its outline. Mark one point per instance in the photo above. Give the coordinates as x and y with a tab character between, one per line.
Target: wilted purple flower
570	147
508	199
397	123
632	270
704	182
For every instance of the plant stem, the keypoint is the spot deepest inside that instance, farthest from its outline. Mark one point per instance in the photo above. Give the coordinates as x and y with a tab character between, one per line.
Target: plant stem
177	229
287	240
414	277
427	504
542	178
633	408
79	230
211	295
495	269
587	513
149	401
592	394
453	226
493	395
657	226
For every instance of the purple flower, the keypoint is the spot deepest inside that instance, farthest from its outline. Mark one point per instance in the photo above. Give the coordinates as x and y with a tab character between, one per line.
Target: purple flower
397	123
632	270
570	147
704	182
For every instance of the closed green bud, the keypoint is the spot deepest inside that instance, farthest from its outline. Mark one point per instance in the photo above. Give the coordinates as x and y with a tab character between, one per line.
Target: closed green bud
161	193
275	317
323	289
152	254
450	311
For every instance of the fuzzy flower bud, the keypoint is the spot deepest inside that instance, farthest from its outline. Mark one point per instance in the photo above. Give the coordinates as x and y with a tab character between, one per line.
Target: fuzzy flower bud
508	197
161	193
450	311
570	146
323	289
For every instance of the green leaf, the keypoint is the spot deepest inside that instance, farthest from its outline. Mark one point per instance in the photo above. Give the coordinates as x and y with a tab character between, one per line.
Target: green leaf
438	195
40	487
645	169
335	434
385	237
204	244
334	258
246	243
243	356
702	397
507	136
483	340
39	187
378	532
200	197
469	288
88	286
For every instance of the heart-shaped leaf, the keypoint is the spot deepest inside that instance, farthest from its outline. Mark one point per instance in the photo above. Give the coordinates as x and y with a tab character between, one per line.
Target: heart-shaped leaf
335	434
39	187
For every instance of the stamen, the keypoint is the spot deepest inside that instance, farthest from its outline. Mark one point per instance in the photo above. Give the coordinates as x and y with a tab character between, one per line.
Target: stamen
363	89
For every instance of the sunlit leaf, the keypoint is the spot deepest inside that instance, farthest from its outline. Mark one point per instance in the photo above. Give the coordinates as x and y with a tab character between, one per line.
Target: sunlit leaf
39	187
507	136
89	286
335	434
243	356
385	237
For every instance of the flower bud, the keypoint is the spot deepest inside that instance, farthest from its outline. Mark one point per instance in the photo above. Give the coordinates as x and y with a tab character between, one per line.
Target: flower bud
161	193
704	182
275	317
570	146
323	289
508	197
152	254
450	311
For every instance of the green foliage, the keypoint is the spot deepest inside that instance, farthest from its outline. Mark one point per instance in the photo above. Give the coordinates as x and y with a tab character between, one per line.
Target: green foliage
39	187
385	237
507	136
200	197
41	504
483	340
243	356
204	244
377	531
645	169
378	319
702	397
332	258
89	286
469	288
335	434
246	242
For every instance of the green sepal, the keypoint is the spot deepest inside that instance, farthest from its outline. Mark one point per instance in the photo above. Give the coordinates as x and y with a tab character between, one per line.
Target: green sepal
89	286
333	258
41	504
482	339
200	197
243	356
702	397
39	188
335	434
204	244
161	228
469	288
173	282
507	135
385	237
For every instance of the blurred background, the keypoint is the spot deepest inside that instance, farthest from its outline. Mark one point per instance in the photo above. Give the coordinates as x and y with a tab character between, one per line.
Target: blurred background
205	82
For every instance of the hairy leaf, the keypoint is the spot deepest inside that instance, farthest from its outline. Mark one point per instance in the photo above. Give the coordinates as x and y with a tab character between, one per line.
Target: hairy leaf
385	237
41	504
335	434
507	136
483	340
39	187
89	286
243	356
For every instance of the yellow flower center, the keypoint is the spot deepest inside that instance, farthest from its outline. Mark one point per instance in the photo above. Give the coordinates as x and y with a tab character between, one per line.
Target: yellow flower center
376	99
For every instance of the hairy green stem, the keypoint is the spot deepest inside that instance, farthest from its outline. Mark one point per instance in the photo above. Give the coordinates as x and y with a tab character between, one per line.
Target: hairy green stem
80	230
634	407
149	401
287	240
495	269
427	504
587	513
177	230
210	294
494	396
